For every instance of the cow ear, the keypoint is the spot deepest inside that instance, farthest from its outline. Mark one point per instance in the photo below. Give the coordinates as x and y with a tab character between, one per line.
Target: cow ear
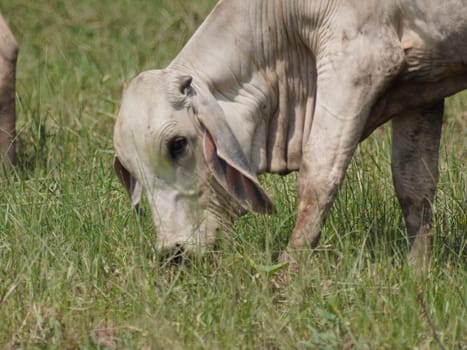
235	179
185	84
225	157
132	186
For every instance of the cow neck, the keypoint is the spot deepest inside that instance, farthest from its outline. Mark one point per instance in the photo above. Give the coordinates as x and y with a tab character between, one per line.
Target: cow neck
262	71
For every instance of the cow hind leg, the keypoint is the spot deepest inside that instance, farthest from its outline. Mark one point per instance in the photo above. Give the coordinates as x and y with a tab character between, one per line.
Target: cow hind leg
415	151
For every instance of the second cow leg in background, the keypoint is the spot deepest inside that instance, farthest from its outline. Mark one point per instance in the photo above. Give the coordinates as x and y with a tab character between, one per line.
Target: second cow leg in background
8	56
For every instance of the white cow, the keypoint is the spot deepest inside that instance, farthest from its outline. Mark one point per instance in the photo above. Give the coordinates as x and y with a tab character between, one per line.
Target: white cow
280	86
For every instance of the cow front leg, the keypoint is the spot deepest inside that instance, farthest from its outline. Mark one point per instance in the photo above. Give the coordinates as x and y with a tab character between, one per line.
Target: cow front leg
8	54
415	151
333	141
348	86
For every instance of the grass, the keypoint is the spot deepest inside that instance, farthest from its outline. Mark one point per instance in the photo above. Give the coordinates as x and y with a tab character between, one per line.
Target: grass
78	269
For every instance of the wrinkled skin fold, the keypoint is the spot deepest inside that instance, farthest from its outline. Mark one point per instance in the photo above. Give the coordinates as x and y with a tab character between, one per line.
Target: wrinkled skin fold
281	86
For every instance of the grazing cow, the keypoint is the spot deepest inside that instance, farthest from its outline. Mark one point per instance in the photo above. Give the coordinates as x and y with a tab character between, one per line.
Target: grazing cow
280	86
8	54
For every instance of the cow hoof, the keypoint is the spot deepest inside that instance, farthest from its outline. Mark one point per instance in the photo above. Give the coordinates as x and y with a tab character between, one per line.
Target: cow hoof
419	264
285	257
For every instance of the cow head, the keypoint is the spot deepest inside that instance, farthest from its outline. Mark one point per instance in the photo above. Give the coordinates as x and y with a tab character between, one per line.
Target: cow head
173	143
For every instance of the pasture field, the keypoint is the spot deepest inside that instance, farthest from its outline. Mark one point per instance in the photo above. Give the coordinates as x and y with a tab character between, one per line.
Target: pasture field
78	269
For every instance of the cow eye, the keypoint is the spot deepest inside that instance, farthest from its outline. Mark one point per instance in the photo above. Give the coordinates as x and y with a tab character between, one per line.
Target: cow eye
177	146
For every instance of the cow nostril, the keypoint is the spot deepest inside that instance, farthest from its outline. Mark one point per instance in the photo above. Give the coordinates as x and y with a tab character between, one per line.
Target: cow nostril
177	256
172	255
179	249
